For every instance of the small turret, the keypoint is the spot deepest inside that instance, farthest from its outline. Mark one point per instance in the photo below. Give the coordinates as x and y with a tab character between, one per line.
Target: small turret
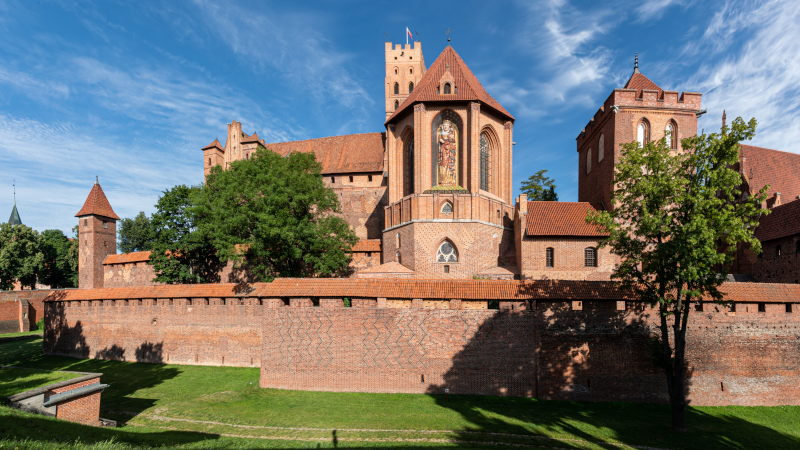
97	234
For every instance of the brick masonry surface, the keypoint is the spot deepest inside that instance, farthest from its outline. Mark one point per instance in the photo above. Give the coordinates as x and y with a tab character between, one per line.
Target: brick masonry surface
13	317
84	409
569	259
560	349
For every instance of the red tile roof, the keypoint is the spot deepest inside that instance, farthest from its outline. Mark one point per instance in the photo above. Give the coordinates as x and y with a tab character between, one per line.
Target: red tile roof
340	154
390	267
561	219
784	220
424	289
124	258
780	170
97	204
253	138
367	245
469	88
638	81
214	144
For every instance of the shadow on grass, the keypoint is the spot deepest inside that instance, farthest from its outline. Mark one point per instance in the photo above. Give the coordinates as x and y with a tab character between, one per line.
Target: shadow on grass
554	353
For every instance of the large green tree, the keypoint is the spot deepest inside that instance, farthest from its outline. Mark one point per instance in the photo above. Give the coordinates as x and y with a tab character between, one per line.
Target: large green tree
135	234
276	213
180	254
20	256
58	269
677	220
540	187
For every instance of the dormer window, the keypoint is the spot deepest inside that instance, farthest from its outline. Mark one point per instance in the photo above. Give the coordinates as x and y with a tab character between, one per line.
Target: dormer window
447	88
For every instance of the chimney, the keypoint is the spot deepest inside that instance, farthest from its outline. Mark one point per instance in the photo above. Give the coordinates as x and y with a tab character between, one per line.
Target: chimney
777	200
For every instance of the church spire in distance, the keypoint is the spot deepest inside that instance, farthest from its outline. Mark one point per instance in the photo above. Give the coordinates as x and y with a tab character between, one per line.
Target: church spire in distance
14	219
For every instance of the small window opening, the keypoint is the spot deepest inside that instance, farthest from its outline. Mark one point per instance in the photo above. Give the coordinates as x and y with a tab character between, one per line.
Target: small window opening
778	250
396	104
455	89
411	72
762	307
733	307
698	307
396	88
437	90
446	269
548	257
410	87
369	254
395	70
397	257
333	179
105	224
209	162
85	223
248	156
351	178
498	213
446	88
447	208
788	308
590	255
369	177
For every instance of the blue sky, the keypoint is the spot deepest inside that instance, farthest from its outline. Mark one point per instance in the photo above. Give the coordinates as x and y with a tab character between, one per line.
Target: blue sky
131	91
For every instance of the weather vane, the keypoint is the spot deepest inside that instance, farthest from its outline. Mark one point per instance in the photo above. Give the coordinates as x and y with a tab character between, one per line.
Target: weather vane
448	34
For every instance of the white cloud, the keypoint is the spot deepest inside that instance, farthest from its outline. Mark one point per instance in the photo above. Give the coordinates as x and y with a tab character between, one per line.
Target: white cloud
653	9
756	75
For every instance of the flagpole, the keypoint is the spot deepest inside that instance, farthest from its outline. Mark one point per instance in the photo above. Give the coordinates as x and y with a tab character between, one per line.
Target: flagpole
406	36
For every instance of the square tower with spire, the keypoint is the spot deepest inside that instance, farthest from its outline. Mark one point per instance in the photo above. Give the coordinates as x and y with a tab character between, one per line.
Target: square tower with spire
640	111
97	234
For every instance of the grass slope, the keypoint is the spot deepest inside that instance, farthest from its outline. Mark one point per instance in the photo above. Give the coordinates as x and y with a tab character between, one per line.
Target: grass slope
222	407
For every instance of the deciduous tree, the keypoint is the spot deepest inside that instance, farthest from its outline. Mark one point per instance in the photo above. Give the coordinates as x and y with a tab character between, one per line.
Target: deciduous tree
277	213
57	270
540	187
677	220
20	256
135	234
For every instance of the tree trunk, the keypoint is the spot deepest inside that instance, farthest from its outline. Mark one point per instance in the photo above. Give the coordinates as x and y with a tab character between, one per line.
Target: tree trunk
679	414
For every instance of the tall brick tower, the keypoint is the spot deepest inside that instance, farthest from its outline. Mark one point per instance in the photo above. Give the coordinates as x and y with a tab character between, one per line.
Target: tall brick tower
640	111
97	225
405	66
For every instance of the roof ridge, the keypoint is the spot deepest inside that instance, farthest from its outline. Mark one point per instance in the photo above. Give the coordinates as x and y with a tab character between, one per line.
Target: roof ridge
97	204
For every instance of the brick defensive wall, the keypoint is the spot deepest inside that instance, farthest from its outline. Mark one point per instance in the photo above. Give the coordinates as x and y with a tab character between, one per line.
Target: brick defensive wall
561	340
20	310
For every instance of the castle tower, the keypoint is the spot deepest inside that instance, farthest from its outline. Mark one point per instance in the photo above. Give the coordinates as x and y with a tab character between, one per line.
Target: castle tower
640	111
405	67
97	232
448	164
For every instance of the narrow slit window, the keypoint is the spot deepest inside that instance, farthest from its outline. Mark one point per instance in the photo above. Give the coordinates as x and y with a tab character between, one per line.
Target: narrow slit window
396	88
410	87
548	257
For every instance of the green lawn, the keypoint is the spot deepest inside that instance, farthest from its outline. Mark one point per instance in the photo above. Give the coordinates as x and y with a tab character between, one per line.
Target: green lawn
222	407
26	333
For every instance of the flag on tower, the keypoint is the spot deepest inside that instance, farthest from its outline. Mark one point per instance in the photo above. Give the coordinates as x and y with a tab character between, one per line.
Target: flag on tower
409	35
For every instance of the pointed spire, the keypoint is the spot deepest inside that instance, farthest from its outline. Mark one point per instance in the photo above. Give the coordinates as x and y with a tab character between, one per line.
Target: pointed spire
723	118
97	204
14	219
636	64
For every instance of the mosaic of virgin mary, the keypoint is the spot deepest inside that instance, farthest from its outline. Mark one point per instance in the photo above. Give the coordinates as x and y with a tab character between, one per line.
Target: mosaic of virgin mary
448	151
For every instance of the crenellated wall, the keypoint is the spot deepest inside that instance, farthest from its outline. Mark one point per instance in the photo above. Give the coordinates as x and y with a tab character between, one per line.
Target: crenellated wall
553	340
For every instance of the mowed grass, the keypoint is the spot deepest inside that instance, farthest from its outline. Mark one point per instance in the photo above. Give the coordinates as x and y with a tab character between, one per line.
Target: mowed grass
223	407
25	333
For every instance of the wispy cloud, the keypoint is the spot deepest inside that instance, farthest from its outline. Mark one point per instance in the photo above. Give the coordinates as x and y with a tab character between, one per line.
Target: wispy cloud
653	9
758	76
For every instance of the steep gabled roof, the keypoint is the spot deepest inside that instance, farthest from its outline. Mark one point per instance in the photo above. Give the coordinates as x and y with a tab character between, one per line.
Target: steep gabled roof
350	153
97	204
780	170
638	81
214	144
782	221
467	85
253	138
14	219
561	219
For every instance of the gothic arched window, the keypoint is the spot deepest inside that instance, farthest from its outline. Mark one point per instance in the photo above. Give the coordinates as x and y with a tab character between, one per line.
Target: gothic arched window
447	208
410	87
589	160
446	253
410	165
641	134
396	88
591	256
411	71
484	157
396	104
600	148
671	135
446	88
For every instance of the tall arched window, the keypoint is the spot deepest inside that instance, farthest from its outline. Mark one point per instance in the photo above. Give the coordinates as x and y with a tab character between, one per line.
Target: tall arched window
641	134
590	255
209	161
549	257
409	165
600	148
397	257
410	87
672	138
484	156
396	104
446	88
446	253
396	88
589	160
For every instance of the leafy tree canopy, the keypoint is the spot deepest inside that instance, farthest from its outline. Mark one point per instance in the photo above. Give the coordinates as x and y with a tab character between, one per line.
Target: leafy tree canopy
677	220
58	270
20	255
180	254
135	234
540	187
276	212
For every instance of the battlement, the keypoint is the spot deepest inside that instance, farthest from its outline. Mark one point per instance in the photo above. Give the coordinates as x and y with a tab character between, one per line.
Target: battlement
644	99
